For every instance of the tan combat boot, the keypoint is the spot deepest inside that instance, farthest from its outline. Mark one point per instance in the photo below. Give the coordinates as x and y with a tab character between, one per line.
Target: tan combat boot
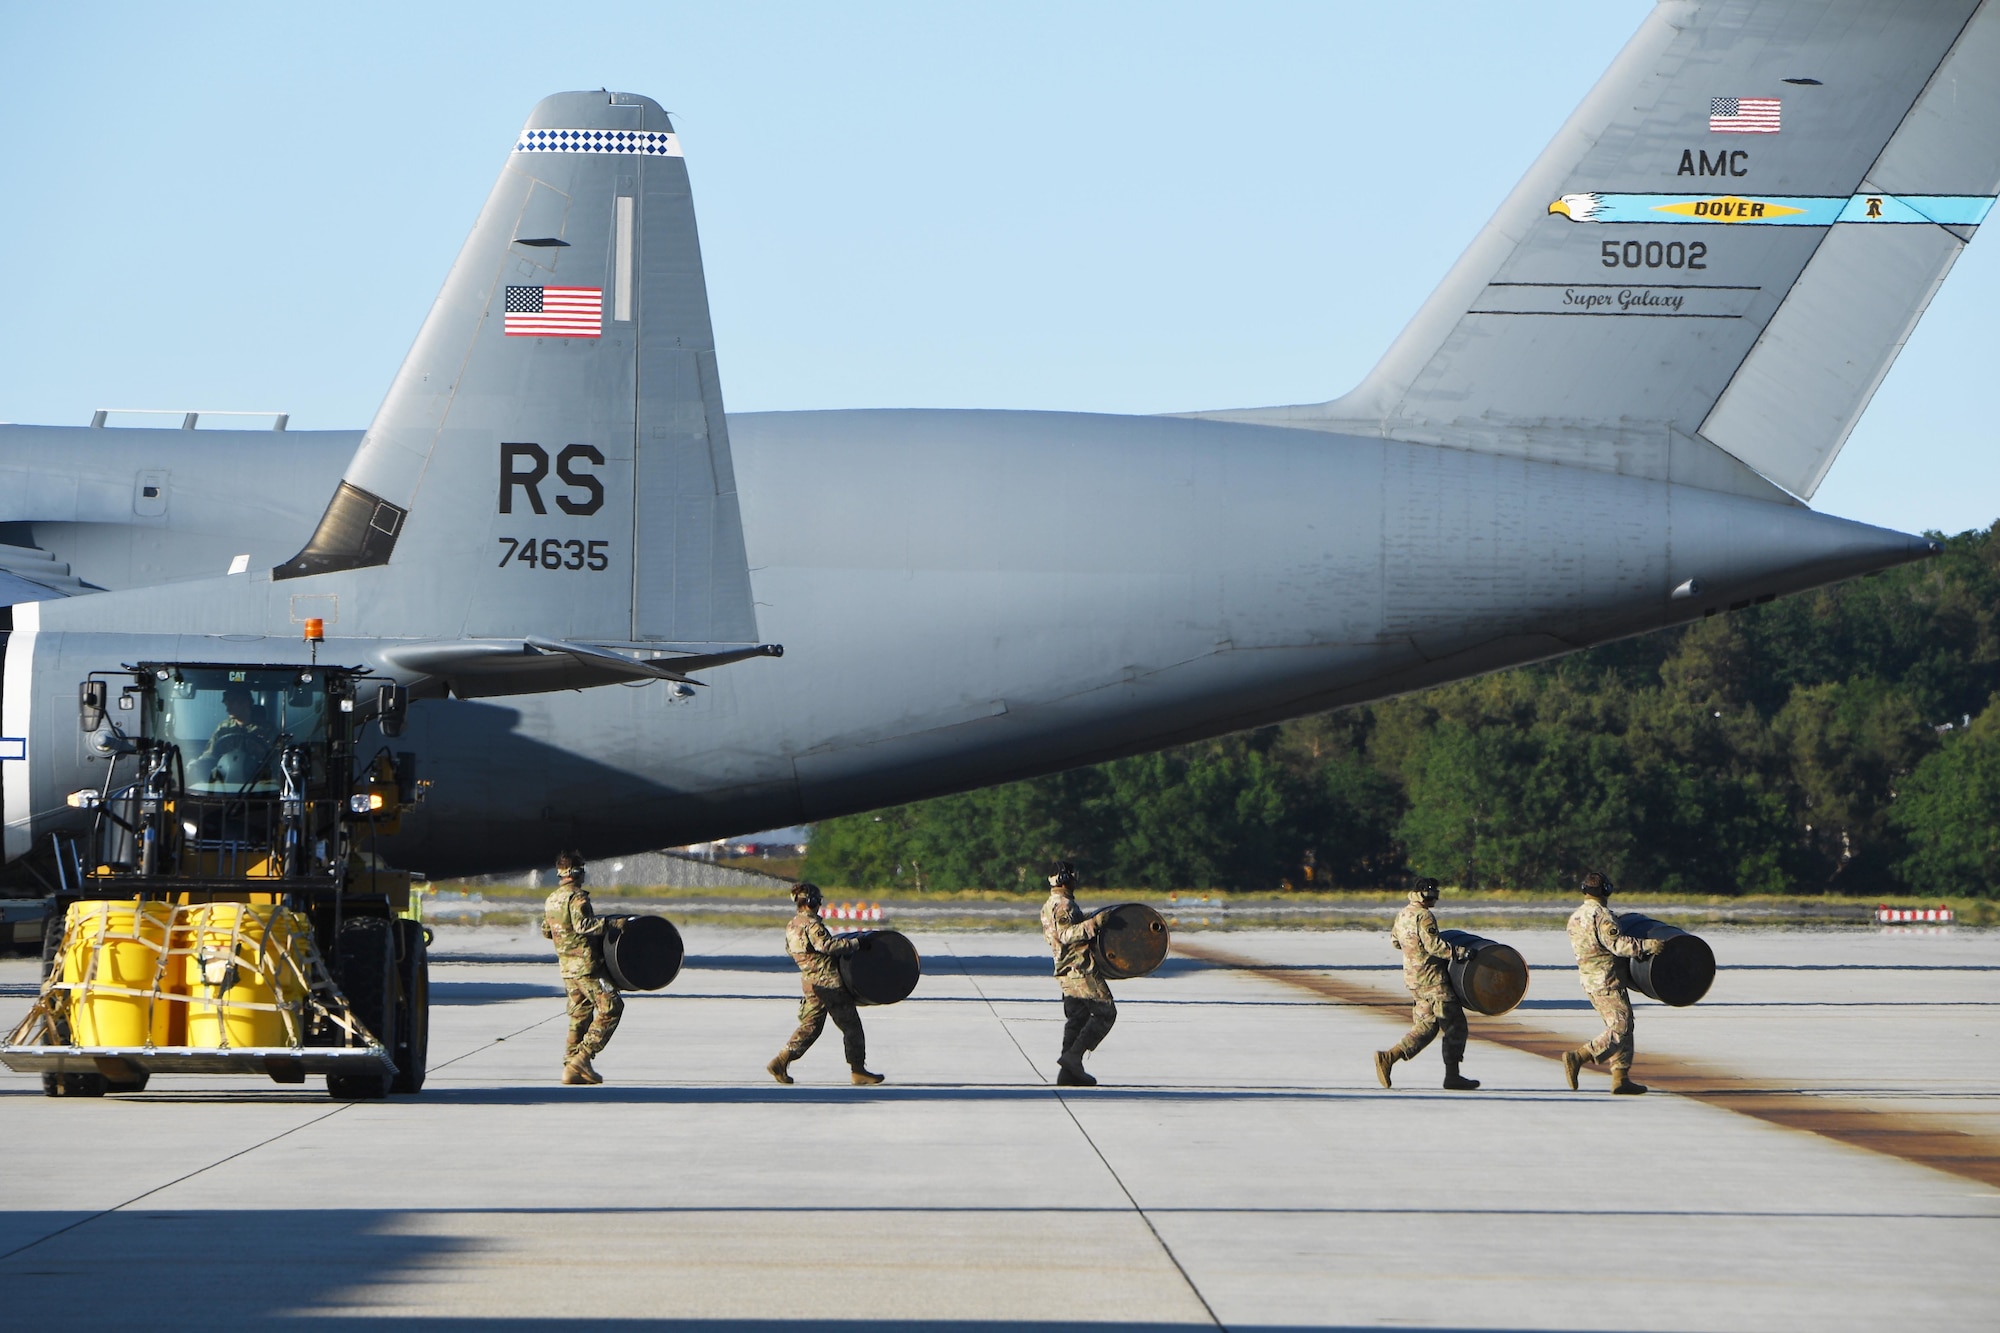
862	1076
573	1071
776	1069
1573	1062
1383	1059
1622	1084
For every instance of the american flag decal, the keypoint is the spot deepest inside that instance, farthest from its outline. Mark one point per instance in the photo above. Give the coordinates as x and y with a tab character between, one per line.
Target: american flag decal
555	312
1743	115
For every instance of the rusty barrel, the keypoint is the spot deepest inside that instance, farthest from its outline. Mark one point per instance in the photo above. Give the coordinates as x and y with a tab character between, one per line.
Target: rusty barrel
1132	942
883	970
641	952
1680	973
1493	980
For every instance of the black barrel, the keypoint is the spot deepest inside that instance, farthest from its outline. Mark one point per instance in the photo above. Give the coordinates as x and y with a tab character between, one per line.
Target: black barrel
883	970
1132	942
1680	973
1493	980
641	952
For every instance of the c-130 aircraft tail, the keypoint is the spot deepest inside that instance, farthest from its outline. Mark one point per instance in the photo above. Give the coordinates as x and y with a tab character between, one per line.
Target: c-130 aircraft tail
1602	423
545	498
1706	275
571	349
552	461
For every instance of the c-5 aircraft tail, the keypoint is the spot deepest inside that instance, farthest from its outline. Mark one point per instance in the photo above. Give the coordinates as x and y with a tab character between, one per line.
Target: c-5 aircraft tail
1706	275
552	459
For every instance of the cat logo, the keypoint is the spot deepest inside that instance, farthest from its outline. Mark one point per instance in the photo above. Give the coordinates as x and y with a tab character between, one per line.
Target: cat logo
1728	208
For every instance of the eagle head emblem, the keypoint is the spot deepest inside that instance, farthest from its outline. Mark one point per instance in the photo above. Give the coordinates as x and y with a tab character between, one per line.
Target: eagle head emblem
1578	207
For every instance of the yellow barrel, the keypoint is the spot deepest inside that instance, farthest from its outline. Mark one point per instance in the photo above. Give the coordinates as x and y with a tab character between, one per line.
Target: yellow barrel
114	955
237	968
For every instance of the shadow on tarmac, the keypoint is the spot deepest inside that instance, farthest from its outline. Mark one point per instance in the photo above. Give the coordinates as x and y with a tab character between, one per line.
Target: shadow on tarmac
1862	967
838	1094
1050	1003
978	965
173	1264
840	1326
491	992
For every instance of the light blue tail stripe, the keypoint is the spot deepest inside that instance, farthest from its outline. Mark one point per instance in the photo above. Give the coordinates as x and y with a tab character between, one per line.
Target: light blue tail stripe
1951	210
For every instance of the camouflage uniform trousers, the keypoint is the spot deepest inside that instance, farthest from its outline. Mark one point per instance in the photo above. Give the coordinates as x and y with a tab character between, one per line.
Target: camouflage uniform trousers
594	1010
1615	1042
1087	1022
1436	1010
820	1004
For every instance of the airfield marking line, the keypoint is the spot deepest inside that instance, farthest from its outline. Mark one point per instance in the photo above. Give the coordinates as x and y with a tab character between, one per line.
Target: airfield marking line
116	1207
1921	1139
240	1152
1110	1170
494	1042
992	1009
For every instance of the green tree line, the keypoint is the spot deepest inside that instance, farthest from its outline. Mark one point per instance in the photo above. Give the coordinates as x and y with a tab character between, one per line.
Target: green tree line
1845	740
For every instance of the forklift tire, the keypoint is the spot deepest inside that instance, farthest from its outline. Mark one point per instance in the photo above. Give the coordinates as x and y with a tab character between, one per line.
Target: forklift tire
365	968
74	1085
413	1007
52	938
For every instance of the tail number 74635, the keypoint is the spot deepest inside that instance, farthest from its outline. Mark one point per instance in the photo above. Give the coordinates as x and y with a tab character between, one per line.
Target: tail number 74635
555	553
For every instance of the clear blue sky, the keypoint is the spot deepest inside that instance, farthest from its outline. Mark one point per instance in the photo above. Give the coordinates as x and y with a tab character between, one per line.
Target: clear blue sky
1125	208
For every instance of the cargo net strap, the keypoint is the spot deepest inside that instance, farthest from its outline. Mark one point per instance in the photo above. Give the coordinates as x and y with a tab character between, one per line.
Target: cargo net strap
212	959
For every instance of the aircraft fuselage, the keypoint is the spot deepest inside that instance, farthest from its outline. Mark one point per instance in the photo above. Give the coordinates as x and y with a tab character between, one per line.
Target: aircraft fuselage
973	597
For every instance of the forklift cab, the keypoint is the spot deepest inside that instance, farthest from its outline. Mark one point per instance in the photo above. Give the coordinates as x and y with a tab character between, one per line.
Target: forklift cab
229	726
228	772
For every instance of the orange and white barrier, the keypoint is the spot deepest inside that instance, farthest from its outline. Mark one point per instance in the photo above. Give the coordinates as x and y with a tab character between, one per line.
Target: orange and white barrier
855	912
1885	913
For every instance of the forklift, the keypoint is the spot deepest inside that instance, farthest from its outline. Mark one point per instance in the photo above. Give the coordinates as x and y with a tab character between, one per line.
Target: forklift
226	912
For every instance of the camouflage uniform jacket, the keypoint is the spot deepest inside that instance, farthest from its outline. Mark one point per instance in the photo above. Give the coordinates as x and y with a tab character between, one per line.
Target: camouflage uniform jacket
578	932
1595	940
813	947
1069	938
1424	952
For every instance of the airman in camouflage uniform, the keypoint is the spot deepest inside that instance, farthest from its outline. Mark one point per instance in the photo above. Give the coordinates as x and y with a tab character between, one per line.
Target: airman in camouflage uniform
594	1003
1425	954
1595	940
1088	1010
814	948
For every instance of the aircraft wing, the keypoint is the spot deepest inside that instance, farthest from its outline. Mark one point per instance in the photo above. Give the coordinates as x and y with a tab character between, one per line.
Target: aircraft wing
28	574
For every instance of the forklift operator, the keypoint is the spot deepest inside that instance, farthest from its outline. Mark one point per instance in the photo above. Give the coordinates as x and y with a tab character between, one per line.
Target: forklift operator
241	735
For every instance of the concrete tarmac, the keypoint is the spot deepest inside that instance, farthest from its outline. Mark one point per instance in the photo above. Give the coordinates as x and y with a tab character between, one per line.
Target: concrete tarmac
1239	1167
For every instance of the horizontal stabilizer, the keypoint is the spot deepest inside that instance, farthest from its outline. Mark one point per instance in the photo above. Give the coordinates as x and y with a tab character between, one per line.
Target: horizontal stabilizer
1708	272
486	668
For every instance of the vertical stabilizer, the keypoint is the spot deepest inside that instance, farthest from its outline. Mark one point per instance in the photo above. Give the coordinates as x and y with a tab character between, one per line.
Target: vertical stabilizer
1708	272
552	458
